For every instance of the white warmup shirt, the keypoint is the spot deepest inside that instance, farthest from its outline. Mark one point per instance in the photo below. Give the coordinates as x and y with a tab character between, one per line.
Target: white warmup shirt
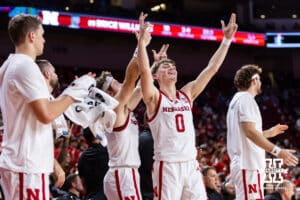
243	108
27	143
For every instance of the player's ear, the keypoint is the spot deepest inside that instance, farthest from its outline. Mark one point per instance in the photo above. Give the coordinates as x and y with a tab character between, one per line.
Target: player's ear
47	74
31	36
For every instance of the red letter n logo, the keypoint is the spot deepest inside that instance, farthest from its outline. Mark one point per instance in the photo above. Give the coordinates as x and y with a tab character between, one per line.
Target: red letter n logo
33	195
252	188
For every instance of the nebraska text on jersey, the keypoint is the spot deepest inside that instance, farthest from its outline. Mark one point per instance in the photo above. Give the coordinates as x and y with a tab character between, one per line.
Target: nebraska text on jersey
174	109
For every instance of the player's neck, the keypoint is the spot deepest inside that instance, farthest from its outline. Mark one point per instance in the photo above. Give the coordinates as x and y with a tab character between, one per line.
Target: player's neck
169	91
27	50
252	91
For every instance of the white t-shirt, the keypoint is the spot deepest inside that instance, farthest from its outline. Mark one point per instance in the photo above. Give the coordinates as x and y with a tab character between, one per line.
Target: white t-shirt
173	129
243	108
27	143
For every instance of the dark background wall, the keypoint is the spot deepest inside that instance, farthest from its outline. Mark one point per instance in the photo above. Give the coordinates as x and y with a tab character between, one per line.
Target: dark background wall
106	50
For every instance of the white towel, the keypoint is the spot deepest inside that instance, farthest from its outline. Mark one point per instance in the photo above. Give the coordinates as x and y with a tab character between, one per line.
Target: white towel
103	97
95	112
80	87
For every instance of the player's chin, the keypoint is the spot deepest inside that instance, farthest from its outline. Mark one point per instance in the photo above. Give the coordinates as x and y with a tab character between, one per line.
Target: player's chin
174	79
259	91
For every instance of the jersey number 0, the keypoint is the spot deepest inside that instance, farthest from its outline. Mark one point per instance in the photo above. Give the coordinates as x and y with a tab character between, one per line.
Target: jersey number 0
179	123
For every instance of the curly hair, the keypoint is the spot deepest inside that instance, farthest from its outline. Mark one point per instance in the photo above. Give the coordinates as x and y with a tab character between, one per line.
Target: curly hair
243	77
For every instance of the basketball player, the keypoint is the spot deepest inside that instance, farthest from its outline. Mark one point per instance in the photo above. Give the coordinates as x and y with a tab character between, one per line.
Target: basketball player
176	172
27	148
51	79
122	179
246	141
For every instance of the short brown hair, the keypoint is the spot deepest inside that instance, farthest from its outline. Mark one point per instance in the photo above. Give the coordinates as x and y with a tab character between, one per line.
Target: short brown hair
158	64
243	77
100	80
20	25
43	64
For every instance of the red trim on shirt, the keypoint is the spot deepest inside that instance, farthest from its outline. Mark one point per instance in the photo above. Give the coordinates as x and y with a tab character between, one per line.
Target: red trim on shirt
157	108
161	163
118	184
187	97
21	186
135	184
121	128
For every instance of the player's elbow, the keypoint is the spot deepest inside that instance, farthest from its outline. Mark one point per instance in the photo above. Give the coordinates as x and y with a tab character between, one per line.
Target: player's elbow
42	111
251	135
45	118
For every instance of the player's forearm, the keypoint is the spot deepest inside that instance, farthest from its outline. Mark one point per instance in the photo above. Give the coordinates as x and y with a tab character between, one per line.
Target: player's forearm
135	98
59	105
267	133
128	86
143	60
218	58
259	139
59	174
132	71
146	75
46	111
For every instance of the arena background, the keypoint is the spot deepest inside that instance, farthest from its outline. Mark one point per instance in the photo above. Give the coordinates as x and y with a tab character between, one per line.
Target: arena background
74	52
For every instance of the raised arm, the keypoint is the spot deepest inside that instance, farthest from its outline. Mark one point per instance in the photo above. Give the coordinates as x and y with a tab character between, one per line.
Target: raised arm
194	88
131	76
126	92
150	93
137	94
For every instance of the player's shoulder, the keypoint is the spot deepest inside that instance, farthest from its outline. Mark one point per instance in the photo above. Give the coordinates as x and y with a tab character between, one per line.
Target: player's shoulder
244	96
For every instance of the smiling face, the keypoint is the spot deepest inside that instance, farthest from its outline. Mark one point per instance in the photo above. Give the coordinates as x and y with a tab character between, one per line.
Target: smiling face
166	71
